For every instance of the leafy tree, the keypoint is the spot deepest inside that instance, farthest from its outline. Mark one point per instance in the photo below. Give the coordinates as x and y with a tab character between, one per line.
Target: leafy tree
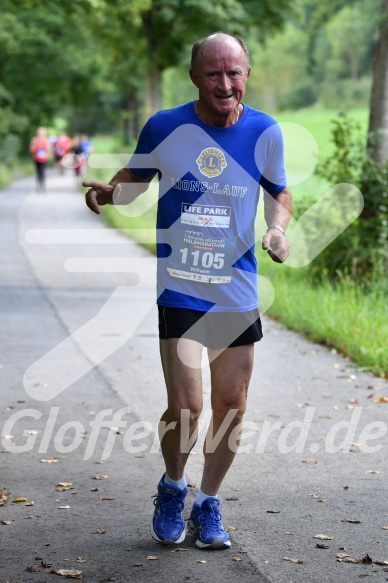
50	61
169	25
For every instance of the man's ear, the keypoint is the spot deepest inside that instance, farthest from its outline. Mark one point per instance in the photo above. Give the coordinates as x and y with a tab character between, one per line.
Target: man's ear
193	77
248	72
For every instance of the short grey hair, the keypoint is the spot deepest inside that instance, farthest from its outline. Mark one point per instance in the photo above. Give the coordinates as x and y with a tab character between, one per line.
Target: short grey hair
202	42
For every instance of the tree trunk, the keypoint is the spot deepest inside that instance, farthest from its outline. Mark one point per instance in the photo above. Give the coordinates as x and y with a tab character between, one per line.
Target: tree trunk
130	114
378	119
154	90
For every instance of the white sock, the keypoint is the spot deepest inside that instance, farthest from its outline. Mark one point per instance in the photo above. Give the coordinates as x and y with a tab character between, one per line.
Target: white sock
201	497
181	483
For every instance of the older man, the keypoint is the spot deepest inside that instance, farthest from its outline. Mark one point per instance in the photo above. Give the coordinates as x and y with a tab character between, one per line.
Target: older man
211	156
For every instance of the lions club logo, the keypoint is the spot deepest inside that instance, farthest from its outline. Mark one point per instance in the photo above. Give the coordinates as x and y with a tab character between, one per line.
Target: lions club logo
211	162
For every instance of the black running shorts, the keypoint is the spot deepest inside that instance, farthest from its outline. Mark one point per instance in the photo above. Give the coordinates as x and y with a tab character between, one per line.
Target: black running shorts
214	330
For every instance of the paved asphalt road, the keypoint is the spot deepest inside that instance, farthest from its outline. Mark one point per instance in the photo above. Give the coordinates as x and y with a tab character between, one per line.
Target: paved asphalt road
79	344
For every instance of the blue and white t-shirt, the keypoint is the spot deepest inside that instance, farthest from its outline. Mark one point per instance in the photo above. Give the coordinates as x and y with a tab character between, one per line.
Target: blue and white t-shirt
209	181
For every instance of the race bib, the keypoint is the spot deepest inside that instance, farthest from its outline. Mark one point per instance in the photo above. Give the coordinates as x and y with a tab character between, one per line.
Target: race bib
200	258
41	155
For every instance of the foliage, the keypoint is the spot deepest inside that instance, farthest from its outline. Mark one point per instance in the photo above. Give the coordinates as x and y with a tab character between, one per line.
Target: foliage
302	95
49	61
361	251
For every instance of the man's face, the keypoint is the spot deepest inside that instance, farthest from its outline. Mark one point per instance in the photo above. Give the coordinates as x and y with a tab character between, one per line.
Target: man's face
221	74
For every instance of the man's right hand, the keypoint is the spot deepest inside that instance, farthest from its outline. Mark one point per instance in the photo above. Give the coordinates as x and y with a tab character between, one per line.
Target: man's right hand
98	194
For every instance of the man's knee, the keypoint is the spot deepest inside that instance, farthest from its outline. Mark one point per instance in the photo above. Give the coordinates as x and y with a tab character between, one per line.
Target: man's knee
237	404
186	413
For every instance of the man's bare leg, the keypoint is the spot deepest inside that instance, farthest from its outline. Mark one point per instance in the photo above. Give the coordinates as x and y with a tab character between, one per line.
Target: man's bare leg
230	376
184	392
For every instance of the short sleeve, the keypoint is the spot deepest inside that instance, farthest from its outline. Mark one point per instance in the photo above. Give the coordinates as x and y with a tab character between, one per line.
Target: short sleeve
269	155
143	162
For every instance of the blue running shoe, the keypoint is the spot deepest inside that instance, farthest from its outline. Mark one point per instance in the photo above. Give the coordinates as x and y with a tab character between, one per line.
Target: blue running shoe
167	525
205	523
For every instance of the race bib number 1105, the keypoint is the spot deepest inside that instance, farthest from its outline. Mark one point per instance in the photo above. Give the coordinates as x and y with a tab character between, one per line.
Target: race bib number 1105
201	259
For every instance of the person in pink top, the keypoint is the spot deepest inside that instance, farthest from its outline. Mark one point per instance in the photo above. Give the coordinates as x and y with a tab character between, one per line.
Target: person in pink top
62	146
40	151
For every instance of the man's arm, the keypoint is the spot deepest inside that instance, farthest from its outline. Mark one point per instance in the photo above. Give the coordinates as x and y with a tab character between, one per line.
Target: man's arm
100	193
277	211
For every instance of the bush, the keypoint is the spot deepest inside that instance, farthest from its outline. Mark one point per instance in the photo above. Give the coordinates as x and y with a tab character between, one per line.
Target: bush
303	95
361	251
346	93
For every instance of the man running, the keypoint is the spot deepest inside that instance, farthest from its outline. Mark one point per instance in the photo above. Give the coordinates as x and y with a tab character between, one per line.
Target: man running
211	156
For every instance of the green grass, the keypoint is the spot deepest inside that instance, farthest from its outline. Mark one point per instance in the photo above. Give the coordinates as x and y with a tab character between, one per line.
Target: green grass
340	315
318	121
18	170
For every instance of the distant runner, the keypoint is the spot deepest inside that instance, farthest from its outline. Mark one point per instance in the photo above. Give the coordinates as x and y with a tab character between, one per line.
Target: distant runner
62	146
40	150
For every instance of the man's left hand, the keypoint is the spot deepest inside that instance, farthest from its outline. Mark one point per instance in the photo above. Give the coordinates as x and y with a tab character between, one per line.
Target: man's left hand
276	244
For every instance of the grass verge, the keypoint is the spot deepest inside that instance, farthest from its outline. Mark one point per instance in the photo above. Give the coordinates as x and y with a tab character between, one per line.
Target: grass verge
340	315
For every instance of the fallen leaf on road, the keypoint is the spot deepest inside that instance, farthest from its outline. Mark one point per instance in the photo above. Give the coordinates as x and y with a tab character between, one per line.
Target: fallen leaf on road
373	472
366	559
342	555
345	487
383	399
81	560
105	498
19	499
31	503
203	562
292	560
231	498
137	564
100	477
323	537
50	460
191	485
382	563
63	507
385	527
46	564
321	546
309	462
4	497
65	484
349	560
178	549
99	531
236	558
228	528
32	569
152	558
5	522
72	573
31	432
351	520
274	511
